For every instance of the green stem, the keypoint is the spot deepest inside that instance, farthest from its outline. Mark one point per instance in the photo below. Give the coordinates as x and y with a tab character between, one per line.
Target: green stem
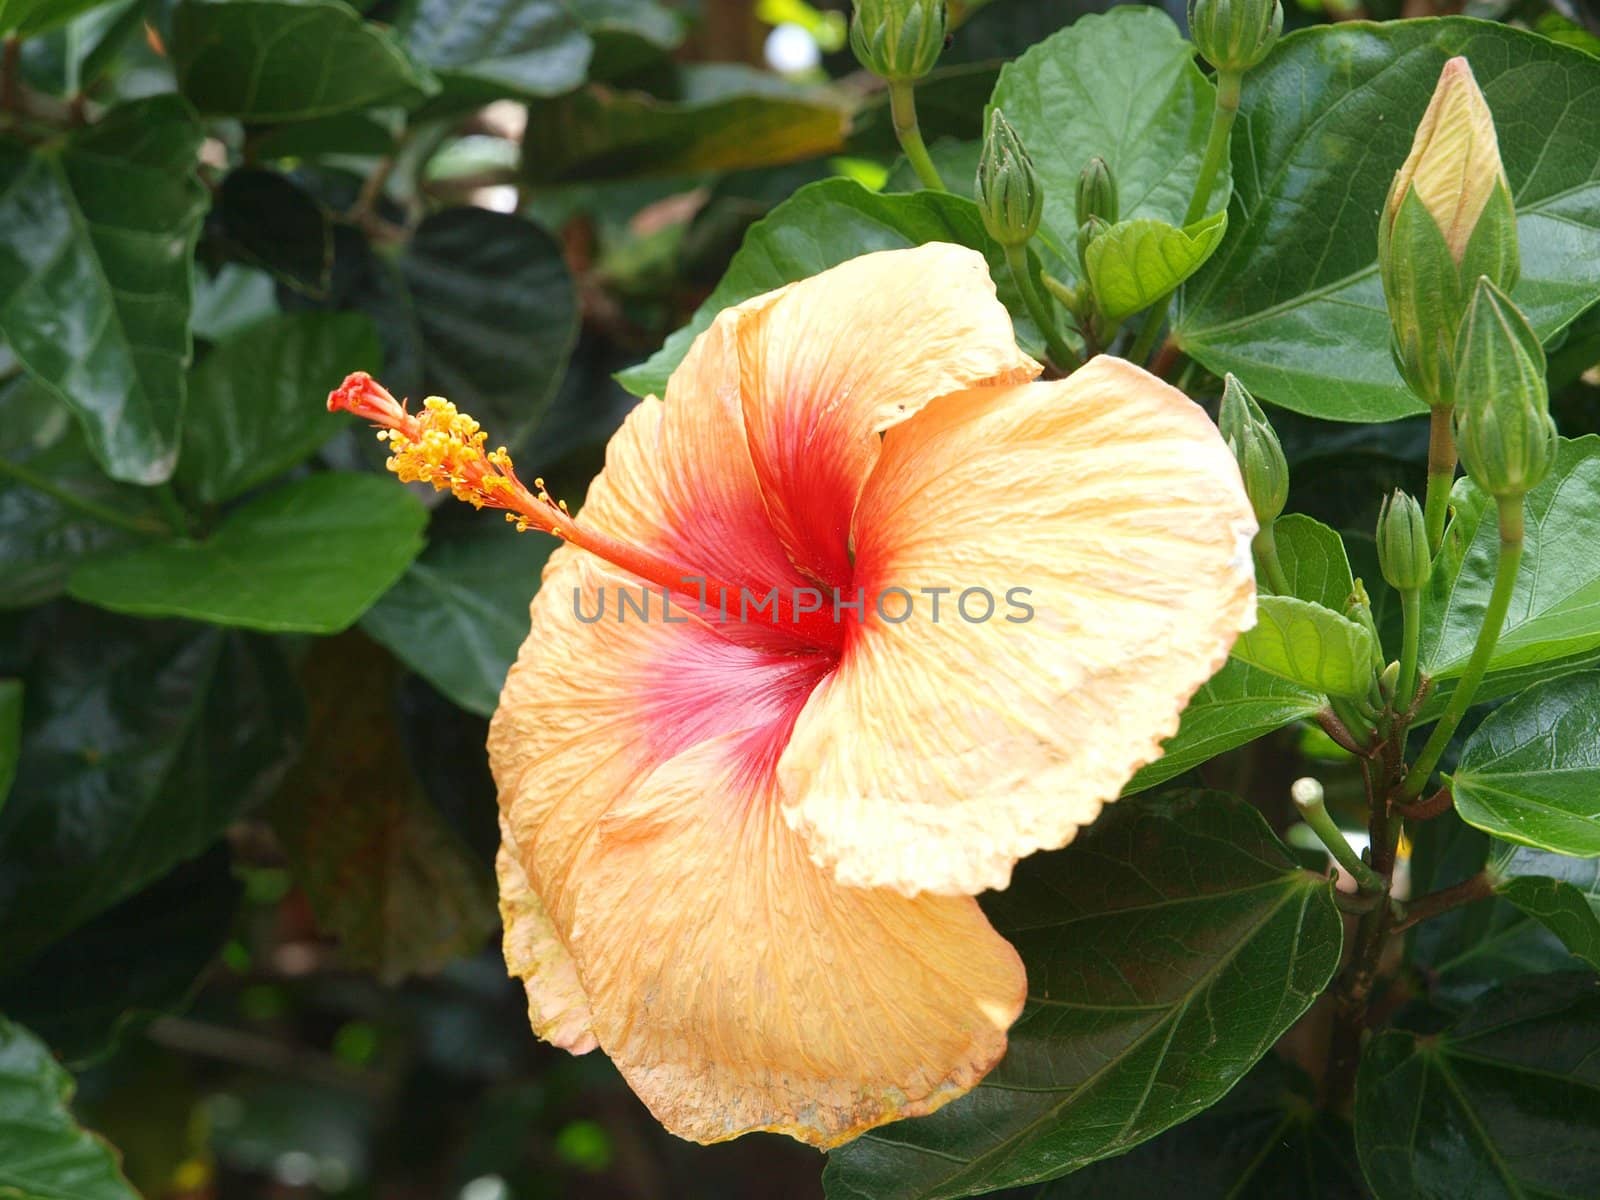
1265	546
1060	353
1315	814
1216	153
1505	581
1411	634
1222	116
1441	474
89	508
903	108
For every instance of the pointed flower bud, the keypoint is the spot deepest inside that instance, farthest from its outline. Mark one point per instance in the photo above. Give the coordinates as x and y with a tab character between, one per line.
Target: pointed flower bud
1009	194
1234	35
1403	543
898	40
1256	447
1097	192
1504	432
1448	219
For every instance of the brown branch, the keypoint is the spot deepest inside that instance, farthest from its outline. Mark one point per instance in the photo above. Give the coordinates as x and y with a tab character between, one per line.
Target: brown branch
1424	810
1468	891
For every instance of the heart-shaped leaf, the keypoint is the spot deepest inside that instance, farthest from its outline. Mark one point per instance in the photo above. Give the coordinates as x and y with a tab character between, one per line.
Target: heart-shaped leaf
309	557
1135	263
1309	645
1153	986
1559	892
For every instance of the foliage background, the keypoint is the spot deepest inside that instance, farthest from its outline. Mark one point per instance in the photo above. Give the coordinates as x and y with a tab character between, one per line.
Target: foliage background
246	865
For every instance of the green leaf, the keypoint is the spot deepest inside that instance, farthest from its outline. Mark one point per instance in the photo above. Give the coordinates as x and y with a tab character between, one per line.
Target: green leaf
154	947
30	17
628	34
1265	1140
1240	704
287	60
1559	892
380	867
1153	988
1135	263
460	612
480	307
1530	774
821	226
45	533
253	401
309	557
44	1155
1504	1103
96	238
1122	85
524	48
1555	607
141	742
728	117
10	733
1314	561
1309	645
1291	302
267	220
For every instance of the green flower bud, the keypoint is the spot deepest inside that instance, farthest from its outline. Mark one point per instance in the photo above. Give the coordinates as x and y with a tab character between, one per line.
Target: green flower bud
1358	607
1097	192
899	40
1504	433
1234	35
1087	232
1448	219
1256	447
1403	543
1009	194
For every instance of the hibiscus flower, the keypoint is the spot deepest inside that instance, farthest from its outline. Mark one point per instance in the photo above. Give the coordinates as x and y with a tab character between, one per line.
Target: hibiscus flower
740	847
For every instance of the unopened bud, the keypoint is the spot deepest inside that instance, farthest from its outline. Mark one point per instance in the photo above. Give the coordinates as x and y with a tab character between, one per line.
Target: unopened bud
1448	219
1403	543
1256	447
898	40
1504	432
1087	232
1234	35
1009	195
1097	192
1358	607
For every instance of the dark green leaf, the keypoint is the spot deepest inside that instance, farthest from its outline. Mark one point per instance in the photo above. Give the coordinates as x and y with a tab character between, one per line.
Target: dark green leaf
309	557
1238	705
628	34
1167	949
823	225
727	118
1310	646
267	220
141	742
30	17
357	133
1122	85
1555	609
1505	1103
524	48
381	869
141	958
1530	774
96	237
1314	561
255	402
44	1155
1265	1140
1561	893
47	524
1291	301
287	60
460	612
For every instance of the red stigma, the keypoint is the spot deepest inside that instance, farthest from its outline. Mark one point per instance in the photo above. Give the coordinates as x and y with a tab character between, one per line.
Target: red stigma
365	397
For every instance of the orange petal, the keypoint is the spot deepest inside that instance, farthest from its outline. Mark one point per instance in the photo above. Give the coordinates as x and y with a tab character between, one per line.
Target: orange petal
558	1008
831	361
737	987
940	752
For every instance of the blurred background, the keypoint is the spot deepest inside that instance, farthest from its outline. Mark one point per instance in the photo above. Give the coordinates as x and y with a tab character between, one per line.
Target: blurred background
315	1005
